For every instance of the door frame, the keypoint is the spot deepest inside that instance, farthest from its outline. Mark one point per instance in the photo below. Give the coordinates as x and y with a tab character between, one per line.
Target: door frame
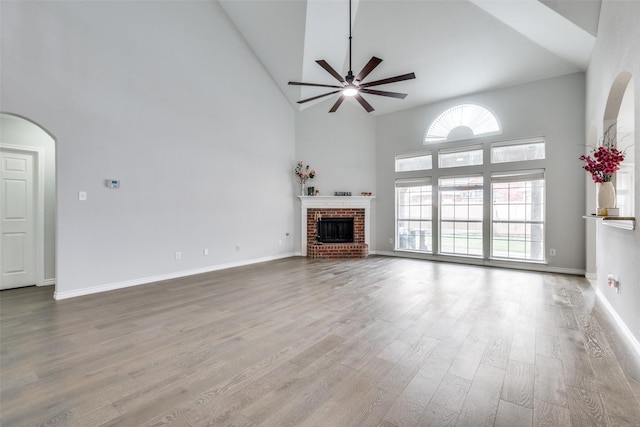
38	155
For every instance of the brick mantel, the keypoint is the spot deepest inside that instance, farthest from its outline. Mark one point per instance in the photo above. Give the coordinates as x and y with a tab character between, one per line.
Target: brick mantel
334	202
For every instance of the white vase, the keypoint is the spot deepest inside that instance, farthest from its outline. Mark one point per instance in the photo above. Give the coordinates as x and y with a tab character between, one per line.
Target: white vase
302	189
606	196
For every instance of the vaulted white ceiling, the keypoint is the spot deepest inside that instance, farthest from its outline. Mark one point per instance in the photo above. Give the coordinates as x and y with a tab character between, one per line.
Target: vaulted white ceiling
455	47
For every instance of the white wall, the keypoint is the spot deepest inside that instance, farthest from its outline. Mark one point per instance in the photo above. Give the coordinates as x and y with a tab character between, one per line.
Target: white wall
341	147
616	51
553	108
18	131
168	98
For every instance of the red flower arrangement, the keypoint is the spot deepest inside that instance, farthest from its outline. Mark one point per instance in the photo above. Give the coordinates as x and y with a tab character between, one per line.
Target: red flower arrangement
606	158
304	173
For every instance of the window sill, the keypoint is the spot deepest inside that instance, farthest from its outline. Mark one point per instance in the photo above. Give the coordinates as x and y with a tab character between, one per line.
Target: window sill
623	222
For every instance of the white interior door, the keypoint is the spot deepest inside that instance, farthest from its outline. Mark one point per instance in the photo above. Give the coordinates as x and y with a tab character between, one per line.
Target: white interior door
17	214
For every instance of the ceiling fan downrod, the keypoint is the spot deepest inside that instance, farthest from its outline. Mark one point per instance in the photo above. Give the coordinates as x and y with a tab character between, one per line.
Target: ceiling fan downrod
352	86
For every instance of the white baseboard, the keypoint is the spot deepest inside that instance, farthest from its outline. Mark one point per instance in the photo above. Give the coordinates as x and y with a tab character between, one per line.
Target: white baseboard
544	268
623	327
144	280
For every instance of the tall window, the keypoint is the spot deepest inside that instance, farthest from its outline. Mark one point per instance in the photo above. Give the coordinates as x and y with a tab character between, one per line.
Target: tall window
413	216
473	197
518	215
461	201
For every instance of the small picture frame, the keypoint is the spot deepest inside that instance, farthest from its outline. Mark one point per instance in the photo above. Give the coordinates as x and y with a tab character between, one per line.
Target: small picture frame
311	191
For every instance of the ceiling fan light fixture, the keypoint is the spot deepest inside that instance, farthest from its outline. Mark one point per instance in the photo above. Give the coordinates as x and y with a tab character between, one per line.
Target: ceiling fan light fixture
350	91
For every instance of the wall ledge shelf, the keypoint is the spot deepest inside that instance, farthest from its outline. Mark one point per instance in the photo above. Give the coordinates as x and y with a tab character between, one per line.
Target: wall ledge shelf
624	222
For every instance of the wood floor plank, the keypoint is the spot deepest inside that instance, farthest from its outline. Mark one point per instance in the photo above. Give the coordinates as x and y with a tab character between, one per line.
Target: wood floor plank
352	400
565	318
451	393
549	381
549	415
497	351
576	365
290	405
466	363
410	405
481	405
437	416
512	415
518	384
297	342
585	408
523	344
619	400
548	345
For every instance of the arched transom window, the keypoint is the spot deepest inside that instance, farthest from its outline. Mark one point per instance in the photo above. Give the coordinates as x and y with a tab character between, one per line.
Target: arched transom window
464	121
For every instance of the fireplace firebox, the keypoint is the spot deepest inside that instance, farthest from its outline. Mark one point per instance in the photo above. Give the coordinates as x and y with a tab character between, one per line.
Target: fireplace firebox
335	230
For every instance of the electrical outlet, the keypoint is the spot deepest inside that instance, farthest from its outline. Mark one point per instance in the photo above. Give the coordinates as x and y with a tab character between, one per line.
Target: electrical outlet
178	255
82	196
612	282
391	240
237	248
552	252
280	242
205	251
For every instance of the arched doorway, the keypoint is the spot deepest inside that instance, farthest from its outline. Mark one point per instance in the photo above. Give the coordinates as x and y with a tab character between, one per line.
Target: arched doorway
28	197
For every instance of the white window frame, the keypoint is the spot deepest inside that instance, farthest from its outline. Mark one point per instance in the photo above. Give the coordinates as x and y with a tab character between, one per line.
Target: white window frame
411	156
461	149
513	177
515	143
413	182
469	188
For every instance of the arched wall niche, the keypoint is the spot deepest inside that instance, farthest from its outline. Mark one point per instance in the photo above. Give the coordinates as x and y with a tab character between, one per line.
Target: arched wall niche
620	111
614	100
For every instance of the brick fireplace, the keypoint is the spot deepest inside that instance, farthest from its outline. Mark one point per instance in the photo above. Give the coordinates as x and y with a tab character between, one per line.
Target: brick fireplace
315	208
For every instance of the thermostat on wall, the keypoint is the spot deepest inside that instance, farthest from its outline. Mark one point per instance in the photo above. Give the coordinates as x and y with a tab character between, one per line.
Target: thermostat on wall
113	183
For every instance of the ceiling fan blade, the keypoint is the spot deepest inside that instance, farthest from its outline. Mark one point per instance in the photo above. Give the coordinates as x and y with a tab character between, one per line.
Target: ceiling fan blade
312	84
316	97
363	102
407	76
373	63
384	93
330	70
337	104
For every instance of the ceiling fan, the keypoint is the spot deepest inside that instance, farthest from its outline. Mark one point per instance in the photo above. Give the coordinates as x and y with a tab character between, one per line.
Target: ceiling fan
352	86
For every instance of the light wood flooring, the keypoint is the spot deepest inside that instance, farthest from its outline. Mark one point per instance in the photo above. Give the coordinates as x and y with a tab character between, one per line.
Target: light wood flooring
296	342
